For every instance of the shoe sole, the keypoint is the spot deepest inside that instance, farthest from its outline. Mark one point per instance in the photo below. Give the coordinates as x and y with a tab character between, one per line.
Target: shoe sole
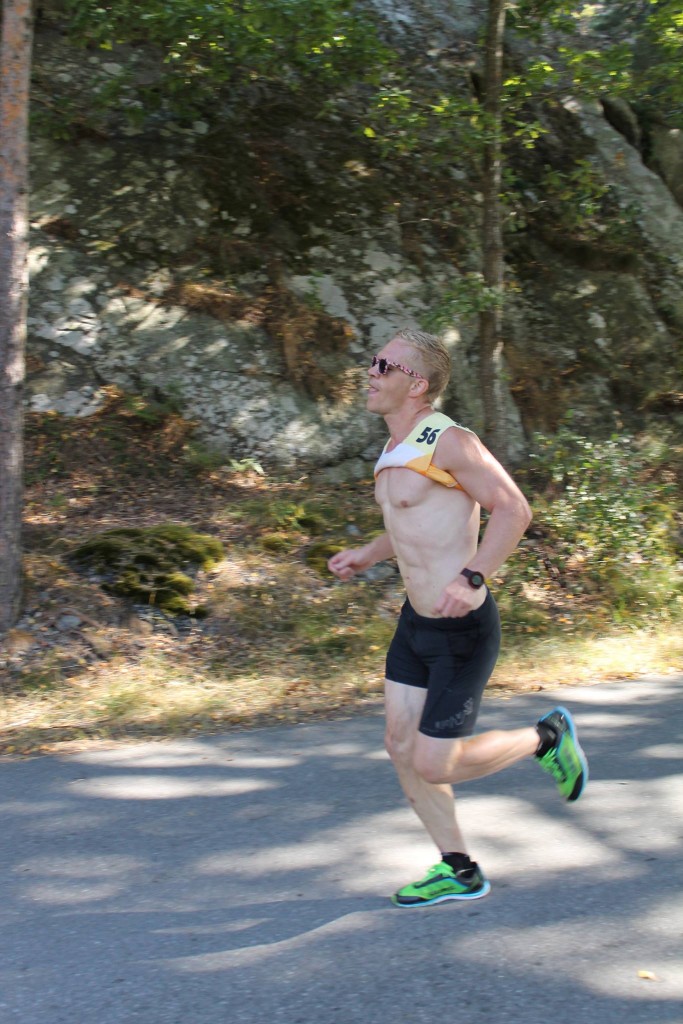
484	891
579	750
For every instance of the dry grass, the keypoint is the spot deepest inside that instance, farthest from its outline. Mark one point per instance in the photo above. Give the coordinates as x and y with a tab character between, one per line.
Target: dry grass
284	641
620	654
167	692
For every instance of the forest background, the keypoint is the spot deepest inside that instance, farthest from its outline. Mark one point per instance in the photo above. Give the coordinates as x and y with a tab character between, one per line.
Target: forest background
175	584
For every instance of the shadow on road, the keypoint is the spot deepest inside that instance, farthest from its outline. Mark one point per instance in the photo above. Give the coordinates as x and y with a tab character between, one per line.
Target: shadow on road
247	876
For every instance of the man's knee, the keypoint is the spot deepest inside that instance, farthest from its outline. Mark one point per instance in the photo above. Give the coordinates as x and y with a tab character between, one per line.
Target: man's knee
399	744
437	761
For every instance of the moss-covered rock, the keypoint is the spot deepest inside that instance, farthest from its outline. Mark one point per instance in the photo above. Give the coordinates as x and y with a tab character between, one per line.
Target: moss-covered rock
150	565
319	553
278	543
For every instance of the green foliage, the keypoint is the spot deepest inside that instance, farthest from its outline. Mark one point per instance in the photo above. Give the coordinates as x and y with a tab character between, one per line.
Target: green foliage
532	17
150	410
658	56
463	299
436	117
576	201
283	514
406	119
579	190
200	459
247	465
642	61
436	122
146	564
606	510
594	72
629	48
209	49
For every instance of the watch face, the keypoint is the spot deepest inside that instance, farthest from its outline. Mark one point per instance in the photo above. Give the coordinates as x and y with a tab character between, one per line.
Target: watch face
475	579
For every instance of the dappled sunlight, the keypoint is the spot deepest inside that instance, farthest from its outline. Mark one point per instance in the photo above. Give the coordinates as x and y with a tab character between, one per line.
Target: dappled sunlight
30	809
178	754
244	924
544	839
308	943
651	689
162	787
664	751
384	847
53	816
603	724
602	967
389	848
74	822
665	917
285	872
376	755
75	880
282	642
578	660
292	858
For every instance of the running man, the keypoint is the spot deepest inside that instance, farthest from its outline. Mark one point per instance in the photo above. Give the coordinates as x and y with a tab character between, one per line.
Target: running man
431	481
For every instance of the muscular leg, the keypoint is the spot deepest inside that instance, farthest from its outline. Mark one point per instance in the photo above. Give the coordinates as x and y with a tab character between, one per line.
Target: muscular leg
473	757
427	767
433	802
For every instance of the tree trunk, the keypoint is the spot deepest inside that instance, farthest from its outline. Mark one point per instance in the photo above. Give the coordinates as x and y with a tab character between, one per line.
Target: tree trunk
15	65
490	321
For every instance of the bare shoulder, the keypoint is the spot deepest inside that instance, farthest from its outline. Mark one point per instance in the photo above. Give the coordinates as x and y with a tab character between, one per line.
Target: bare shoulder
464	455
458	445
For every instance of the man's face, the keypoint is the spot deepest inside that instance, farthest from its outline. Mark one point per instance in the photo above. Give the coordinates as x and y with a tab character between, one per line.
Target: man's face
388	392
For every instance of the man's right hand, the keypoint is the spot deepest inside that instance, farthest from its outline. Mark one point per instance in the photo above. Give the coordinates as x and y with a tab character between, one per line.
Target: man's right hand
345	564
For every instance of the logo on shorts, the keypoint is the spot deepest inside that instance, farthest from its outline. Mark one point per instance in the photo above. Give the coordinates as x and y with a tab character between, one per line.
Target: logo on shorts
455	721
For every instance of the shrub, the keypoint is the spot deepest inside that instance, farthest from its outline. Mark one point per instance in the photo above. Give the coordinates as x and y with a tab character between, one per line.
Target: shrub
605	508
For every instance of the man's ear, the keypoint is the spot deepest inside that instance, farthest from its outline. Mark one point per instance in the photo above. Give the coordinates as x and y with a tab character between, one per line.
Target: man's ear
419	387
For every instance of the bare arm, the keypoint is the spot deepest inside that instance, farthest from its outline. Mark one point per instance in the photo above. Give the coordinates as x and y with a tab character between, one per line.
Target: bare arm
347	563
485	480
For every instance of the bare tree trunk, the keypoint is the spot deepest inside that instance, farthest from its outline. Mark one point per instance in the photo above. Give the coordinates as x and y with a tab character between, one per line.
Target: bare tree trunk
15	65
490	321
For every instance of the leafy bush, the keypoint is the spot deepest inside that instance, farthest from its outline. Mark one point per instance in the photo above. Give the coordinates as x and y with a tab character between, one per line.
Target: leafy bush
605	509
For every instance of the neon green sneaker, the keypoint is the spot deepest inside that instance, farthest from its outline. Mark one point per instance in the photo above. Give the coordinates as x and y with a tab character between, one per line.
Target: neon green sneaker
565	760
443	883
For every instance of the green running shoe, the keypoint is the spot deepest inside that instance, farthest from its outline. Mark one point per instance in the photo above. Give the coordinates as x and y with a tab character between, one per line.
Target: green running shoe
565	760
443	883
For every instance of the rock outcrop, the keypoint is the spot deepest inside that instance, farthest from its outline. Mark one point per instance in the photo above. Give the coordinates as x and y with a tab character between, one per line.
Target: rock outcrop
148	274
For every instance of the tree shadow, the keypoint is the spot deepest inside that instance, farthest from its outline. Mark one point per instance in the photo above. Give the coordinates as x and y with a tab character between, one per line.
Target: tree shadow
249	873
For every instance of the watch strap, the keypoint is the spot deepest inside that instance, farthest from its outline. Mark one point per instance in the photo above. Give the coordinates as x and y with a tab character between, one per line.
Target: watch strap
474	578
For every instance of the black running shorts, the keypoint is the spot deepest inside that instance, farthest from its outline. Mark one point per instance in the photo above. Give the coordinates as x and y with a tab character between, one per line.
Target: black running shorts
452	659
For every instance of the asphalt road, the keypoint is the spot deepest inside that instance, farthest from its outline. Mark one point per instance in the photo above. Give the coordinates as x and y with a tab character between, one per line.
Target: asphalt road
243	879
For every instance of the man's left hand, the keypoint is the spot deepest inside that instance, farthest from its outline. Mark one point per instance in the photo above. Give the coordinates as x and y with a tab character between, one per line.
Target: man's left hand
458	599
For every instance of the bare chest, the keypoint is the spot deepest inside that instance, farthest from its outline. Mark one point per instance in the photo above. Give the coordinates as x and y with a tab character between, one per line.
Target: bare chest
403	488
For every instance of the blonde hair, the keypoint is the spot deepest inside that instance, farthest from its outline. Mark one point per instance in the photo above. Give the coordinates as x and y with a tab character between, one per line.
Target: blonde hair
434	356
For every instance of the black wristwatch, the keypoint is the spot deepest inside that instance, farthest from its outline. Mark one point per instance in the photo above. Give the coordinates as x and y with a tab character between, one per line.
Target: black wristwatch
475	579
